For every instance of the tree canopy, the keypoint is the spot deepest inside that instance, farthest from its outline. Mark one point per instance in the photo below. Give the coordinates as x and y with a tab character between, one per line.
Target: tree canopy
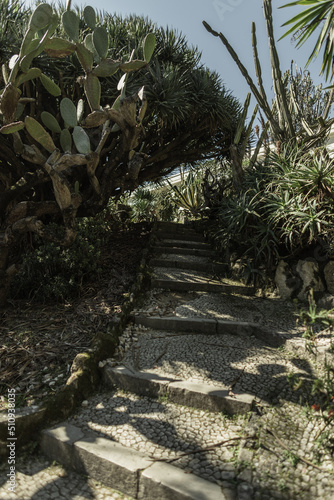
75	132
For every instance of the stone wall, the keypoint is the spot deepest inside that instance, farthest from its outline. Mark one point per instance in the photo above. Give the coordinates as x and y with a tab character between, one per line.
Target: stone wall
295	280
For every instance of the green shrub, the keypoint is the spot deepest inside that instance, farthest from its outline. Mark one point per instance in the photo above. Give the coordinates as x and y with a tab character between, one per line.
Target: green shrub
284	206
52	273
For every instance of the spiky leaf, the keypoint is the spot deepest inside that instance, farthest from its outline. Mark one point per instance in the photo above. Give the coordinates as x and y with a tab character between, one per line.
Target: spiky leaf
50	85
71	24
149	46
68	112
12	127
30	75
100	40
89	16
107	67
81	140
38	132
50	122
66	140
41	17
132	65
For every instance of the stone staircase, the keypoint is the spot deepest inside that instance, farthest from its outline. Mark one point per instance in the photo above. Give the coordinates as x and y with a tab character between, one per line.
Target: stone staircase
197	352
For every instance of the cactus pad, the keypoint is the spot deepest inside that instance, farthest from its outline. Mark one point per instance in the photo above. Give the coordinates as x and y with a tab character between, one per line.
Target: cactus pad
85	57
100	40
93	91
149	46
50	122
38	132
41	17
66	140
89	16
50	85
81	140
71	24
68	112
107	67
30	75
12	127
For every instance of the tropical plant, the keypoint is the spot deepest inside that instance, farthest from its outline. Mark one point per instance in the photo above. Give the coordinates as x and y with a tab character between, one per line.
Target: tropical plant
285	206
239	146
75	134
315	14
144	205
188	194
279	116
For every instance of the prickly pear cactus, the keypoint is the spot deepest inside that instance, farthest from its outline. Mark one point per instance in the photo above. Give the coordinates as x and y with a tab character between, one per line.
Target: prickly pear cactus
60	131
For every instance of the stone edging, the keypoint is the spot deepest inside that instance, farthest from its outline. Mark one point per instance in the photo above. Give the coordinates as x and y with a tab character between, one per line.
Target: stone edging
85	374
124	469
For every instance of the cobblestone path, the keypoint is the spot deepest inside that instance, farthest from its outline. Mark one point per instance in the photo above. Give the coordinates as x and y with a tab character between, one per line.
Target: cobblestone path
207	391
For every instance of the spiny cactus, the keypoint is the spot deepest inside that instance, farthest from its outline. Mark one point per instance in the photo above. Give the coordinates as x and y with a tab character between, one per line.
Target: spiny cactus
60	141
282	128
92	55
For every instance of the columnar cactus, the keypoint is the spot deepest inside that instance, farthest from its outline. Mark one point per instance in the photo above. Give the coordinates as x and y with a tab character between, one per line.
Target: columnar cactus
282	127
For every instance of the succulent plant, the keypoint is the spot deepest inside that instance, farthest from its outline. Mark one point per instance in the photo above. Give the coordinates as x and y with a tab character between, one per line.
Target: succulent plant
38	132
68	112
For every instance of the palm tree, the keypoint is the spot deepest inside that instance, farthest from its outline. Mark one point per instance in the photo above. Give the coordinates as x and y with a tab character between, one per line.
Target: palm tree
316	13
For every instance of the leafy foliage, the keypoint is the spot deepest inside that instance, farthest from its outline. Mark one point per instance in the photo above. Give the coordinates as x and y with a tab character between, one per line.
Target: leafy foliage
279	116
285	206
315	14
188	195
52	273
75	132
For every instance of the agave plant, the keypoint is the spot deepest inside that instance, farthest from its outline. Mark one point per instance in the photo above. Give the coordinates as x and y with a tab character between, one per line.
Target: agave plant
188	195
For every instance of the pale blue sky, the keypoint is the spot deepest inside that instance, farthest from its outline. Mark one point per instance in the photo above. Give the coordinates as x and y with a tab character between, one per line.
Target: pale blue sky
233	18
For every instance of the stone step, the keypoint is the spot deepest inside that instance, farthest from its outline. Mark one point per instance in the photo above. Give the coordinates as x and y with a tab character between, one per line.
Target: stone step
198	325
212	327
214	398
191	280
184	244
205	266
174	226
184	235
122	468
215	287
159	249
